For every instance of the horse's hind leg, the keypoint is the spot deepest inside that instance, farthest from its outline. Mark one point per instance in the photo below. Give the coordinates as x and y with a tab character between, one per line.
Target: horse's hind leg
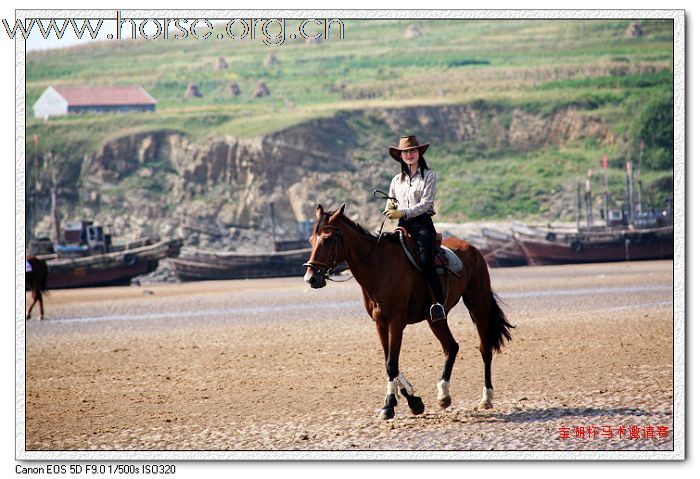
450	347
479	306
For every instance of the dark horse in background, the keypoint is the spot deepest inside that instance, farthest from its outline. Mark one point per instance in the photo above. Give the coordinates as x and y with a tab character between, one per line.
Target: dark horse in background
35	281
395	295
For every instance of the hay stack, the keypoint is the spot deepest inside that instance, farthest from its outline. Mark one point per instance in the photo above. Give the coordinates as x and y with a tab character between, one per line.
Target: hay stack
413	32
261	90
232	89
270	60
220	64
192	91
634	30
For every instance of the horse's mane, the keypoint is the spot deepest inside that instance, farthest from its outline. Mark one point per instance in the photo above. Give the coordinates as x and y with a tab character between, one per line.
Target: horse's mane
356	226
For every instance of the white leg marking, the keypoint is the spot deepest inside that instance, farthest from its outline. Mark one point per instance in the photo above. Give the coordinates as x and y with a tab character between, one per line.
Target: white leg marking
443	388
406	385
486	398
392	388
307	276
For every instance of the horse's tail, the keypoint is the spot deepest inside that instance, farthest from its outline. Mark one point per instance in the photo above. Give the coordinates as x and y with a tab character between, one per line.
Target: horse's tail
497	332
485	306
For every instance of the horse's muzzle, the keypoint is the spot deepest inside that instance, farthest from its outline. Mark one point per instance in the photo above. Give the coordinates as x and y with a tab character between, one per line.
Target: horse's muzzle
314	279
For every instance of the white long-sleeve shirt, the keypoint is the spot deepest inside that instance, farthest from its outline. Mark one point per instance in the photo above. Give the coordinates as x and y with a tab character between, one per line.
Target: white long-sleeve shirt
416	195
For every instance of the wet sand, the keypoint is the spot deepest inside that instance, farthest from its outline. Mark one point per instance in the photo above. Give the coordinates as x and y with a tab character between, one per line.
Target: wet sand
272	365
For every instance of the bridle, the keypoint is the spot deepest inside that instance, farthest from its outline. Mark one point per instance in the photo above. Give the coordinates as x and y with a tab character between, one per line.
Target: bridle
330	266
319	266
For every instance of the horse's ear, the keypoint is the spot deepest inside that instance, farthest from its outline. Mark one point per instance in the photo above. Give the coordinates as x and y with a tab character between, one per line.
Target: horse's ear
319	212
337	213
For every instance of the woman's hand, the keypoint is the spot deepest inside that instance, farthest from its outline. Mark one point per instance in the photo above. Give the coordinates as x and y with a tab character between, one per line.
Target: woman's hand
393	214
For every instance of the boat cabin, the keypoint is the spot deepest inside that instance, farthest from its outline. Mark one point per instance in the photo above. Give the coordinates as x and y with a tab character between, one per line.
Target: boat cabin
617	217
82	238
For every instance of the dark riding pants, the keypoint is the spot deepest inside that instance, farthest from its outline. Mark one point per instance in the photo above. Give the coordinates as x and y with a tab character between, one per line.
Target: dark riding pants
421	228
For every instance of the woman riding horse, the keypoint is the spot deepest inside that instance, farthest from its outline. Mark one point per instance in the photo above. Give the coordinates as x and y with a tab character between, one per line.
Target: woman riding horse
399	299
414	188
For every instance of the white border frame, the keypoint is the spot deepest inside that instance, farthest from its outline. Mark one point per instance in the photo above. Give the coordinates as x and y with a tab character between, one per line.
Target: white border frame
679	261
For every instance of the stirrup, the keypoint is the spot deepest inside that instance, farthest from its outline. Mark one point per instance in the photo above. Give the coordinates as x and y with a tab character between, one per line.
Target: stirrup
437	312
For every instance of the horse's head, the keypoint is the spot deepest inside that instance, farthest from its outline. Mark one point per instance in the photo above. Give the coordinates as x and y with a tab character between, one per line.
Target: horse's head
326	247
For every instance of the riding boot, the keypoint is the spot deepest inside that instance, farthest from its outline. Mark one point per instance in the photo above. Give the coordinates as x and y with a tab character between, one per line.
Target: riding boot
437	310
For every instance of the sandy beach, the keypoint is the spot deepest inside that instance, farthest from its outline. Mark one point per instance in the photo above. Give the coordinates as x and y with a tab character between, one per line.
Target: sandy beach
271	365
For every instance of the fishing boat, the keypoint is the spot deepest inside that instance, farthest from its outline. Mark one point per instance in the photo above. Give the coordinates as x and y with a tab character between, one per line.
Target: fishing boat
200	265
87	257
546	245
629	233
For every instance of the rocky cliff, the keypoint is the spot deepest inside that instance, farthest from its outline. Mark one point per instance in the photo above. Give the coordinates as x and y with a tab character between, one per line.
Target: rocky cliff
218	193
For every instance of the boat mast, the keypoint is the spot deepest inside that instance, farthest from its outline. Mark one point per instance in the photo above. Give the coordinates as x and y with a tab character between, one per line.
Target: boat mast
578	205
32	184
630	194
55	223
639	178
272	217
605	198
589	201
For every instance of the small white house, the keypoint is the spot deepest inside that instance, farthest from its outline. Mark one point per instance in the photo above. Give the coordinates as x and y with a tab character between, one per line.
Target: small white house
57	101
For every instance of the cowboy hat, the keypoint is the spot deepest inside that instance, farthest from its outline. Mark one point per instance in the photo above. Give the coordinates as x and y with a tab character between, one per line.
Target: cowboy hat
406	143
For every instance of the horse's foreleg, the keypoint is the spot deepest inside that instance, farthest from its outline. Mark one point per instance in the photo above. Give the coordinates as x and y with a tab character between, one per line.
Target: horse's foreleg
392	370
450	348
41	306
415	403
29	311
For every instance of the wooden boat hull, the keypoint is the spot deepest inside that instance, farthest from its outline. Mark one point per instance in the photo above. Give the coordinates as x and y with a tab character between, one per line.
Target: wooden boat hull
111	269
202	266
502	249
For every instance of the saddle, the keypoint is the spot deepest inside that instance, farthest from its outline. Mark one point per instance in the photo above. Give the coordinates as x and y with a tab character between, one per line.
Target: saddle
445	259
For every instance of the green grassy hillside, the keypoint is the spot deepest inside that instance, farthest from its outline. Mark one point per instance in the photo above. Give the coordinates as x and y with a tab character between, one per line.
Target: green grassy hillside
538	66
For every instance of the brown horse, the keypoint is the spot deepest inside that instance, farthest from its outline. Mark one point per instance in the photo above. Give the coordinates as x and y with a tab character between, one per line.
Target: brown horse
35	281
395	295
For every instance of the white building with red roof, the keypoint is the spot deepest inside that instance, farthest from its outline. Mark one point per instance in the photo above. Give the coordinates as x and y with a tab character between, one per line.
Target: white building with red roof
57	101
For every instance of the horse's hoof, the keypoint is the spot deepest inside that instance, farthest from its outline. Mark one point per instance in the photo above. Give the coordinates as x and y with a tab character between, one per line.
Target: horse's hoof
445	402
41	318
486	398
415	404
386	413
